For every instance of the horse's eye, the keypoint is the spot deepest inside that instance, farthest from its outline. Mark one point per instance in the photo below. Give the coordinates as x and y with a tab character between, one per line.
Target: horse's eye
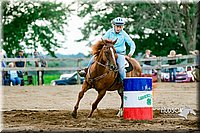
106	53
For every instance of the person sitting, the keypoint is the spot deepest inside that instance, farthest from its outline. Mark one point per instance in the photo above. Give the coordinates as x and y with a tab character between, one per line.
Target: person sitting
5	76
20	64
14	79
117	32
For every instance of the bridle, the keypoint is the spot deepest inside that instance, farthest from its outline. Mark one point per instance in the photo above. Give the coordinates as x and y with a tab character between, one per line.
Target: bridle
107	64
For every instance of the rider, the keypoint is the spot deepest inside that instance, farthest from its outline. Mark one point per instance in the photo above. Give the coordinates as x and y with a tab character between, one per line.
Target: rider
118	33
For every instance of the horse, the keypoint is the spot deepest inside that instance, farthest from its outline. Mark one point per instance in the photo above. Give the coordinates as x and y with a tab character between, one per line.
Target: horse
103	74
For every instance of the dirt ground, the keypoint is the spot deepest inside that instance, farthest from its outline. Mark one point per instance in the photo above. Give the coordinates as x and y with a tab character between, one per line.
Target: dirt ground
48	108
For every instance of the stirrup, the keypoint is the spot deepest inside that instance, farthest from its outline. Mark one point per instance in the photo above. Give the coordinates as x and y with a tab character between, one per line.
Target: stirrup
82	72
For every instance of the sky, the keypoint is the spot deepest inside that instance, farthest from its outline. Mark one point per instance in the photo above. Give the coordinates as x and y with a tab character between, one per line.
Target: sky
72	33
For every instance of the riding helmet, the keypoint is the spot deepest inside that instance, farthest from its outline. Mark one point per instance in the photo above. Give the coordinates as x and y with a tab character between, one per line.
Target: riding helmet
118	21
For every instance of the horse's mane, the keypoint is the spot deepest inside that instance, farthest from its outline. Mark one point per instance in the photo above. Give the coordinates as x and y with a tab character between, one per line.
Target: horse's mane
98	46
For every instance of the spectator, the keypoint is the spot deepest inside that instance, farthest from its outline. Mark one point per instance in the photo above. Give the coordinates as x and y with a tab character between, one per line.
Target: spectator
147	71
20	64
2	55
5	79
15	80
195	72
172	71
41	63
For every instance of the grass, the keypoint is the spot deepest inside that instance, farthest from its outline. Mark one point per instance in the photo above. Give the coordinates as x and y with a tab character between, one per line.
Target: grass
47	78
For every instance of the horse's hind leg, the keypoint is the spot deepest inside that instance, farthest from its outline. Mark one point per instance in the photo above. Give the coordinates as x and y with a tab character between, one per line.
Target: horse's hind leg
120	92
99	97
120	112
85	87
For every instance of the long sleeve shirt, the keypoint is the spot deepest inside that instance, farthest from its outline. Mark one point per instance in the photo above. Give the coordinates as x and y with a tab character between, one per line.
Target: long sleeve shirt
121	37
13	74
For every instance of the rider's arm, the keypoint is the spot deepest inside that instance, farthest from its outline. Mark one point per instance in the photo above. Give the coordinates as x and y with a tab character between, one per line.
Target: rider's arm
130	42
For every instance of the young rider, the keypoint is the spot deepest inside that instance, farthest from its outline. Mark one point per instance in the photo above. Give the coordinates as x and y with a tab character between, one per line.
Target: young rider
118	33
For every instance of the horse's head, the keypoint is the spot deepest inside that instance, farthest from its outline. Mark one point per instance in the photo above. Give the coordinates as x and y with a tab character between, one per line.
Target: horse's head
109	54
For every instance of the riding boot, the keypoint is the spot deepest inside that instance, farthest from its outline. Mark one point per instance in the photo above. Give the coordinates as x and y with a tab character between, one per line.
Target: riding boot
83	72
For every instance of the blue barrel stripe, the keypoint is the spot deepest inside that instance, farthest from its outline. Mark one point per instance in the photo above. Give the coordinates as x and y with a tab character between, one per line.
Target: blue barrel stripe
138	84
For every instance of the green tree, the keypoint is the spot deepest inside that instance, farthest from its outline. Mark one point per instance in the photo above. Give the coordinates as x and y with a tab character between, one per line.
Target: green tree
34	23
169	24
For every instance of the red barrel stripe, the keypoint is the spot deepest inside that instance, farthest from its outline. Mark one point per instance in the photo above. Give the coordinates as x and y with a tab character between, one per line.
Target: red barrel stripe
138	113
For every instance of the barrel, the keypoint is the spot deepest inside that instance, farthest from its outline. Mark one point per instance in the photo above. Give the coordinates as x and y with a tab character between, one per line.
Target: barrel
137	98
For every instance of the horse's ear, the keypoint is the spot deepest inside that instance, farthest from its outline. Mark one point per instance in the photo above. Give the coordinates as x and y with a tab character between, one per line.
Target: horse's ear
114	41
103	41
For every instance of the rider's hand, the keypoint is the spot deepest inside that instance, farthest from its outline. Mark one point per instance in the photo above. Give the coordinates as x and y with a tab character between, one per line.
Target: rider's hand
129	55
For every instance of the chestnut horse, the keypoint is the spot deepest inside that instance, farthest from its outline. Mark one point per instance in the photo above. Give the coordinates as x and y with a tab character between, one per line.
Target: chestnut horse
103	74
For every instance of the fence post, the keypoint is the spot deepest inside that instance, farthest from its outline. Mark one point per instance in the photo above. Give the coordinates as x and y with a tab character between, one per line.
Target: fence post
40	75
159	69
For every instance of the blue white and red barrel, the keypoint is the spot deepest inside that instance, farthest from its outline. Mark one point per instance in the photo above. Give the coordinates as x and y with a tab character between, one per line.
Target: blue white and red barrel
138	101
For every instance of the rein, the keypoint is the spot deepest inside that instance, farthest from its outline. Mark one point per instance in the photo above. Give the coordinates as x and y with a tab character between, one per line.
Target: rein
101	76
101	64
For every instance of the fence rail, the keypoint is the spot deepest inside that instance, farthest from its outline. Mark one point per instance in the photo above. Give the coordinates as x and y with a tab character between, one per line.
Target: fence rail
77	60
158	63
162	63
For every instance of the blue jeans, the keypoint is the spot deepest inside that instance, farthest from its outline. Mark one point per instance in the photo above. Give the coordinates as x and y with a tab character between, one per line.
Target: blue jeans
172	74
15	81
120	63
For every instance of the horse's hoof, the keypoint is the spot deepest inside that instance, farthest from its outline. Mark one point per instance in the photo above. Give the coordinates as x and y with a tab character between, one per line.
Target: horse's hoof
74	115
120	113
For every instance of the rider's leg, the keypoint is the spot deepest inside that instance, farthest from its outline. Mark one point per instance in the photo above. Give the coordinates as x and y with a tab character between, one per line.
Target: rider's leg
91	61
122	72
121	65
83	72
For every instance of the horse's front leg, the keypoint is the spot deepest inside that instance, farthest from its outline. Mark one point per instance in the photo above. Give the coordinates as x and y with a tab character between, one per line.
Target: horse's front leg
101	94
85	87
120	111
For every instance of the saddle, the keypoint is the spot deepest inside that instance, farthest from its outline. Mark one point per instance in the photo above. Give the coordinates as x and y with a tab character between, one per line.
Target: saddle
128	65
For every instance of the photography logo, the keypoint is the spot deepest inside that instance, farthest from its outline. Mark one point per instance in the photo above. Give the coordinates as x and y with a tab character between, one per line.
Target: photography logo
186	111
182	112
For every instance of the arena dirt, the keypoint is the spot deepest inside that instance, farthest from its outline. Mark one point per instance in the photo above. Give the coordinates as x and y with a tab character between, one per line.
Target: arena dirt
48	108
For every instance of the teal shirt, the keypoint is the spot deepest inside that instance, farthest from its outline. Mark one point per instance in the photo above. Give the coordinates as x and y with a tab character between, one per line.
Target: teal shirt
122	38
